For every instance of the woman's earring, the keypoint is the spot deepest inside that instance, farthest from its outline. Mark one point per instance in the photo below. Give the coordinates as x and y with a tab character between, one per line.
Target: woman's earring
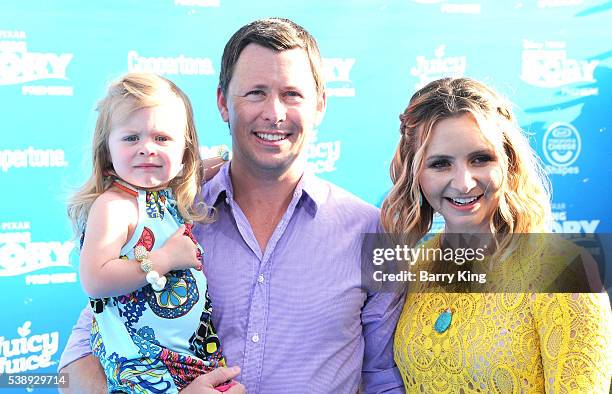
420	199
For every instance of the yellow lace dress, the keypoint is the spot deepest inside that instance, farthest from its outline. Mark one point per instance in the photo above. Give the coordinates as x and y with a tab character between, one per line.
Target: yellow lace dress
505	342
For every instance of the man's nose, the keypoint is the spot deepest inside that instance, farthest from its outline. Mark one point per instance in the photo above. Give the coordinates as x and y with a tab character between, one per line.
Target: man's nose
275	111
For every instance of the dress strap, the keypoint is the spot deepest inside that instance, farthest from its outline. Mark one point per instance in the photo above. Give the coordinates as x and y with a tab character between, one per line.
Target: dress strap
126	187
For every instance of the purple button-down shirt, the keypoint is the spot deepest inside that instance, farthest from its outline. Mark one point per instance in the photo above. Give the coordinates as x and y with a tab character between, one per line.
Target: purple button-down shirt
296	317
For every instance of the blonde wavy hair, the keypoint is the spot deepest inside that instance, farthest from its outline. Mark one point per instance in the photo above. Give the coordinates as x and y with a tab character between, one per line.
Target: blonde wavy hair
524	202
130	93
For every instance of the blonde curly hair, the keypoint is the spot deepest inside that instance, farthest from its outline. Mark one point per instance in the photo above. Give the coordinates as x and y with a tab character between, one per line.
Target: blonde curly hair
130	93
524	203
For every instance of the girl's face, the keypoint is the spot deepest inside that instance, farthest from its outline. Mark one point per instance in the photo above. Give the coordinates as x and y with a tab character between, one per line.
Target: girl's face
461	175
147	147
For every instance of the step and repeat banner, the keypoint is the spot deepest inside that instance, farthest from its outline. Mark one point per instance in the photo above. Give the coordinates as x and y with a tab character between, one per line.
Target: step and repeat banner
552	58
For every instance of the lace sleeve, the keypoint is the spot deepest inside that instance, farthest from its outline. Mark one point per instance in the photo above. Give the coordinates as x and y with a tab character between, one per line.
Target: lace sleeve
575	344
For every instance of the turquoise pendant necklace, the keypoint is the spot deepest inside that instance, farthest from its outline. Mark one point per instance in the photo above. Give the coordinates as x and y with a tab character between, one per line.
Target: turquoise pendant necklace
443	321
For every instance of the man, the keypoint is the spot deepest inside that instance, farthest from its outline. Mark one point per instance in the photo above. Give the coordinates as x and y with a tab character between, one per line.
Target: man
283	257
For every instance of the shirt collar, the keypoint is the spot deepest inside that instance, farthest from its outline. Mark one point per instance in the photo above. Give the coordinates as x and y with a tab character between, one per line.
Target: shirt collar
219	187
311	190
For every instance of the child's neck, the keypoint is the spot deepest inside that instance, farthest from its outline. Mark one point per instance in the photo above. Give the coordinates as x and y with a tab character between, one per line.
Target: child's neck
125	184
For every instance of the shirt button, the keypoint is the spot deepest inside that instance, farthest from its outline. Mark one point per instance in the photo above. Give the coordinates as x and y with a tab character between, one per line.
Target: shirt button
260	278
255	338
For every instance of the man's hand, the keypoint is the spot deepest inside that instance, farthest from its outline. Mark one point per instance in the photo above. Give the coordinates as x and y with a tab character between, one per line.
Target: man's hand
212	165
85	375
205	384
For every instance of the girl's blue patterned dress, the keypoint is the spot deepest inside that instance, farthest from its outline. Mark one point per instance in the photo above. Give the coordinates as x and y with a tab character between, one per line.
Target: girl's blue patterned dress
156	341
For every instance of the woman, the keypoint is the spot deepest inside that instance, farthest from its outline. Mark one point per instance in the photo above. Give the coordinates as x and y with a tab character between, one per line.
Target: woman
463	156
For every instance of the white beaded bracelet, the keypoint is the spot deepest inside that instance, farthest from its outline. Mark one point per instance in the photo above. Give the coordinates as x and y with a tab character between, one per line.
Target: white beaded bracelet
141	254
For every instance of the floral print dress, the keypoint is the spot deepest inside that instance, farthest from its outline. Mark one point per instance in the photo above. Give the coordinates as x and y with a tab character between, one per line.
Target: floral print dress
156	341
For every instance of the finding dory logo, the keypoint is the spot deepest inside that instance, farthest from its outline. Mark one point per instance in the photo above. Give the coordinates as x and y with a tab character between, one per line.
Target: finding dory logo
546	65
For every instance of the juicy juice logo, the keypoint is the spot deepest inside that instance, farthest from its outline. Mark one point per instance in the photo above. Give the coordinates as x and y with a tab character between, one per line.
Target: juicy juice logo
322	155
27	352
437	67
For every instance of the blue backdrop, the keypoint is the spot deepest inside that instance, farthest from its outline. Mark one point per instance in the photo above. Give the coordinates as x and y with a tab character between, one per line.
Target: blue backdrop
553	58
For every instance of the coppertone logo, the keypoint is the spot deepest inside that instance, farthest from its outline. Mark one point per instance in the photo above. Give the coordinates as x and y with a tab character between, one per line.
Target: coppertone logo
32	158
546	65
439	66
18	66
337	75
561	147
179	65
19	255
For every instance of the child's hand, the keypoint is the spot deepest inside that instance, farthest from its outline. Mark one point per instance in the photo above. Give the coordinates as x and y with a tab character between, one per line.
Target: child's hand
178	252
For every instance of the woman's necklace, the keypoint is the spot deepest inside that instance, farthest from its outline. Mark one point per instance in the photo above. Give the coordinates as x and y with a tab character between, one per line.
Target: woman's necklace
443	321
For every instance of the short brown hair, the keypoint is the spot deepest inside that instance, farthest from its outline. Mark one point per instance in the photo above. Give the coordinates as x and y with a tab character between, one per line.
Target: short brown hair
278	34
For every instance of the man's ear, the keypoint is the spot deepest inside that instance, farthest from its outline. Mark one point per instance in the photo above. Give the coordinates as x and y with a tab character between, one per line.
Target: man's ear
321	107
222	105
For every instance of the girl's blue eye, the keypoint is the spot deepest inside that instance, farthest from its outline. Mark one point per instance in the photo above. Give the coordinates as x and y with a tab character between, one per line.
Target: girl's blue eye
162	138
131	138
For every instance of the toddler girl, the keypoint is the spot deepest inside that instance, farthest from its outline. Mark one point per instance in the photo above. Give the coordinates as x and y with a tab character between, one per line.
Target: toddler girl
139	263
